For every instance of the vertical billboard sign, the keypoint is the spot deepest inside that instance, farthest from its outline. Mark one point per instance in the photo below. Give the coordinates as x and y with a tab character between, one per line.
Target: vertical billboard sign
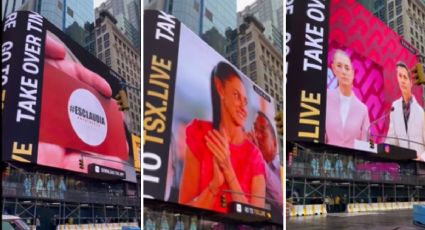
209	132
57	109
306	46
366	81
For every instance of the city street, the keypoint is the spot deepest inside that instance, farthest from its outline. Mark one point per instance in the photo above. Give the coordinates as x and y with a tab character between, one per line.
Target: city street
388	220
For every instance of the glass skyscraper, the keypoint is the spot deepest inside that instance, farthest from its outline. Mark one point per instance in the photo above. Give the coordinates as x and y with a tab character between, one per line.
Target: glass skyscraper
208	18
70	16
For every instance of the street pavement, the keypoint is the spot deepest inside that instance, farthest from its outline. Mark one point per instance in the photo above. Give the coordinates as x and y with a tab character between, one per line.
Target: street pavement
388	220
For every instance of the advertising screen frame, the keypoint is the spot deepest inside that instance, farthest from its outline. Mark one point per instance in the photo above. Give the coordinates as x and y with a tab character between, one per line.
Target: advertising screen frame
24	37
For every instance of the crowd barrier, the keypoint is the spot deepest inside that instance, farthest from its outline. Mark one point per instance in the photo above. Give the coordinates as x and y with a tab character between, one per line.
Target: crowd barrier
307	210
104	226
320	209
365	207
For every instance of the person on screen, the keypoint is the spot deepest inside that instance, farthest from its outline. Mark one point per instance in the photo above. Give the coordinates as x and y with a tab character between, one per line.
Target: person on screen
265	139
407	125
220	159
347	118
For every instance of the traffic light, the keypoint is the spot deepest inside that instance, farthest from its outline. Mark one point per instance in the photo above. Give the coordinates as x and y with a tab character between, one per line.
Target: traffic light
223	201
279	122
81	161
122	100
418	73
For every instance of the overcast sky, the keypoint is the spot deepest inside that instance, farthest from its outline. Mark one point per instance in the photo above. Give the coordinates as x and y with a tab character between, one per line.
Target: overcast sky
240	3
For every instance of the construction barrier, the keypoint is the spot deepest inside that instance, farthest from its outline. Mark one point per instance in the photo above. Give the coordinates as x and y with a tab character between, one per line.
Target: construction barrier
103	226
307	210
365	207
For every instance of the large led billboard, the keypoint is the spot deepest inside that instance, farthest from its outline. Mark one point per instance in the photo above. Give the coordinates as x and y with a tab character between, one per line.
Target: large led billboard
209	131
57	105
349	81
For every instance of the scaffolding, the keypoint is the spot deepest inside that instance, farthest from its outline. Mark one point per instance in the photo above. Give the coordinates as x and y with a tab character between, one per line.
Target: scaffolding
313	178
64	212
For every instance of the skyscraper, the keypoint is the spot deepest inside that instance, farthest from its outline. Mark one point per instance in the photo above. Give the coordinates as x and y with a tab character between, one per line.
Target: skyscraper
115	50
208	18
127	14
256	57
70	16
270	14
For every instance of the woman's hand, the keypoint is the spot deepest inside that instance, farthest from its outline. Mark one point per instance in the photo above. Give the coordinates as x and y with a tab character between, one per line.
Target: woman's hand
218	144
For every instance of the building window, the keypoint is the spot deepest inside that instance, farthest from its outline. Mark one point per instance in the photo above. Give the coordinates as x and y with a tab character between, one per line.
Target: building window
252	66
107	53
242	40
391	10
398	10
209	15
108	61
243	60
400	29
60	5
100	56
106	36
253	75
251	46
248	36
70	12
106	44
252	55
99	45
103	28
243	51
391	24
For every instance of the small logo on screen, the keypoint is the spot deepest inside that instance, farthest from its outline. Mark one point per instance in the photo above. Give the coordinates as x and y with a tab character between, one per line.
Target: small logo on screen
87	117
238	208
96	169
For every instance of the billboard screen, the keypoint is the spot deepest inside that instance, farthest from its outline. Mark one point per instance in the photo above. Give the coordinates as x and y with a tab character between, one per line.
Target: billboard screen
57	109
363	73
209	131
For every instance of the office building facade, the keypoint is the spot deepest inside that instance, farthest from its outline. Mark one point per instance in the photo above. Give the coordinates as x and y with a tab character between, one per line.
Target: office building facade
116	51
207	18
270	14
127	14
257	58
